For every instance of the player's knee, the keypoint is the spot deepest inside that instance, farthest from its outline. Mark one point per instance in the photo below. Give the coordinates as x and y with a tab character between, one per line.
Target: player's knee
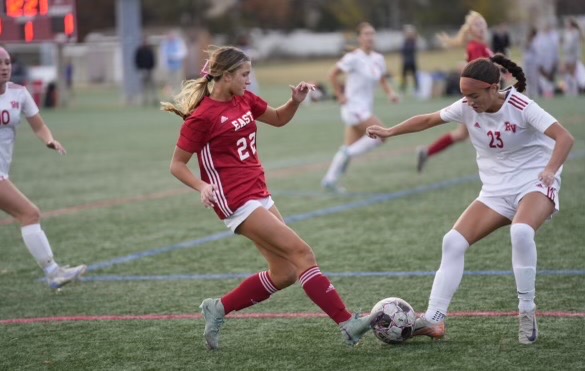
520	233
32	215
454	244
284	277
302	256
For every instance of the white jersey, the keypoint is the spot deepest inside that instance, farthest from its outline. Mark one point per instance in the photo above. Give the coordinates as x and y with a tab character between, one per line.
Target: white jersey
15	101
364	72
512	149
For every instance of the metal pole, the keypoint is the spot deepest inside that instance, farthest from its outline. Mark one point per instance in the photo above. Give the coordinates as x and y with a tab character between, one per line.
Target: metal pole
129	27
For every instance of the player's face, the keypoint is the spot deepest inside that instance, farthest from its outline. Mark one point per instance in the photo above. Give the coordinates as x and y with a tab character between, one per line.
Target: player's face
5	66
479	28
481	100
367	37
241	79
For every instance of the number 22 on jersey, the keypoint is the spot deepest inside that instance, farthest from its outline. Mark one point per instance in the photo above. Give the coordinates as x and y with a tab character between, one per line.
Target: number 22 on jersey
245	145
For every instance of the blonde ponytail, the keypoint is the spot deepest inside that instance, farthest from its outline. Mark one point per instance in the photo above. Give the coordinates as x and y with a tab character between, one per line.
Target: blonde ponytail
189	98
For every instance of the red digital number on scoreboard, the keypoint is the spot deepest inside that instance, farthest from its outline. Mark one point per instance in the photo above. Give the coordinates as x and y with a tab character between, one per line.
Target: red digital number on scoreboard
37	20
26	8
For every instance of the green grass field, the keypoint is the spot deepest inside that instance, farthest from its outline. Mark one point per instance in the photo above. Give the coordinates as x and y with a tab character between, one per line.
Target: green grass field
112	197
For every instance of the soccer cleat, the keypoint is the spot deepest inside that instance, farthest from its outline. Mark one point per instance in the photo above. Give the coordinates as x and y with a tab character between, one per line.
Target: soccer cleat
422	327
333	188
354	329
337	168
528	332
214	314
422	155
64	275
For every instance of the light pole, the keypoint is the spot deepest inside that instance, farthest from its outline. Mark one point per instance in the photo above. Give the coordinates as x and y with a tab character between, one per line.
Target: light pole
129	29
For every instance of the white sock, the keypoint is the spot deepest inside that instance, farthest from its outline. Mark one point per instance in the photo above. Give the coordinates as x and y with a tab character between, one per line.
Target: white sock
338	166
448	277
363	145
37	243
341	159
524	265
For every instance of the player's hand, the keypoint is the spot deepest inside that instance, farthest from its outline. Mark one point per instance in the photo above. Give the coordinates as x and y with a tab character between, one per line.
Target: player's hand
299	92
376	131
208	195
341	99
394	98
547	178
57	147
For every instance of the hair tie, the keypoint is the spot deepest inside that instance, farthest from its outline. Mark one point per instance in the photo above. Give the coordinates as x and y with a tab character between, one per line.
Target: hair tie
205	71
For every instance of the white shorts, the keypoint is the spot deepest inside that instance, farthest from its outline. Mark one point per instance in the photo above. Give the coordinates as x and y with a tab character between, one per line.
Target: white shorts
244	211
4	166
508	205
353	117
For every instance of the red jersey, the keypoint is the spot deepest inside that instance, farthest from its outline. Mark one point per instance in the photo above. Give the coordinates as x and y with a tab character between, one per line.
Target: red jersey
223	135
476	49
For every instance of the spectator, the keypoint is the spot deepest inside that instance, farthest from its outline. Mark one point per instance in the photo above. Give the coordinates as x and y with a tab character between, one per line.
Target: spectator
501	40
547	58
145	61
530	64
572	54
408	53
174	52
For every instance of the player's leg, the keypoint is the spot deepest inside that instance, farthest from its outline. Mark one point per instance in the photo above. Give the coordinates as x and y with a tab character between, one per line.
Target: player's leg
405	71
415	77
253	290
533	210
356	144
16	204
257	288
364	143
441	144
476	222
266	229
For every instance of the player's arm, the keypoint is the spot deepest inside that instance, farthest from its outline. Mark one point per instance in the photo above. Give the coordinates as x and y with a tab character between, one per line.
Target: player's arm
282	115
182	172
563	144
43	132
412	125
334	75
390	93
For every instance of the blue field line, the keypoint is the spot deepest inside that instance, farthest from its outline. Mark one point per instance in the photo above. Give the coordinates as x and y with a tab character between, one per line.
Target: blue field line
162	250
380	198
233	276
371	200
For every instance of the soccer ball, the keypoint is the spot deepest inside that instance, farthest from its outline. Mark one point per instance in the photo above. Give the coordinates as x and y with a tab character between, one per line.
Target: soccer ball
395	324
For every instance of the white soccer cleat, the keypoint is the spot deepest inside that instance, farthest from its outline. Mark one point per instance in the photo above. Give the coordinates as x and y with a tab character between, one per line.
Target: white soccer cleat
64	275
214	314
333	188
356	327
528	332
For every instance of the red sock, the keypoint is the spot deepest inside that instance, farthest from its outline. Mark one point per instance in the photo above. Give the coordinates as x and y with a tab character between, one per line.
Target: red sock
441	144
320	290
253	290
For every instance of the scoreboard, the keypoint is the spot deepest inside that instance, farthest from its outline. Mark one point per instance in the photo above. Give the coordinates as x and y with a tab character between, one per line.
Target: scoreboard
29	21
